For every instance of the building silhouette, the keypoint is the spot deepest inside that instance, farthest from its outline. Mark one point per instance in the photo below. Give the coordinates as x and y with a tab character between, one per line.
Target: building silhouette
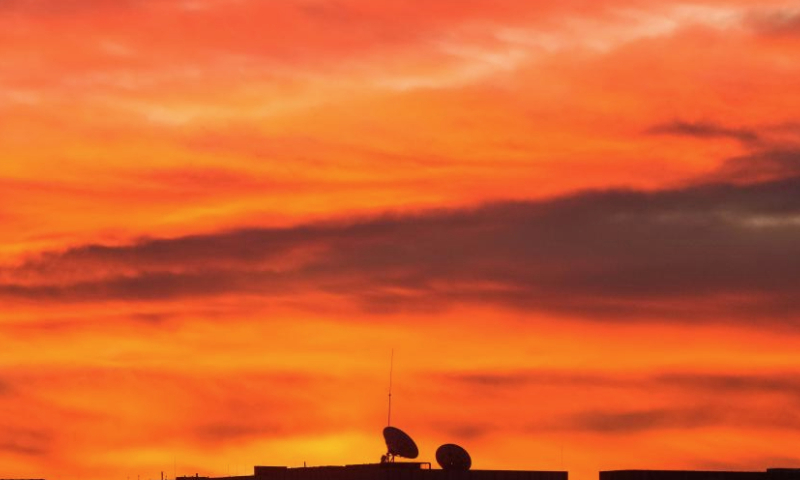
387	471
423	471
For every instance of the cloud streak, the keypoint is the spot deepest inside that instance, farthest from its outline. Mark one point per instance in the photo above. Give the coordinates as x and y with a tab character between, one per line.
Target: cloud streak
705	130
677	400
693	383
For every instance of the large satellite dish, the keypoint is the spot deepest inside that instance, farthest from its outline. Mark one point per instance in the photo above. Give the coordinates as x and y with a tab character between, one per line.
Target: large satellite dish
452	457
399	444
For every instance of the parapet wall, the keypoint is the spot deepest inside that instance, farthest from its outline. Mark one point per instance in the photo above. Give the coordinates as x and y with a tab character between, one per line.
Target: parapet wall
398	472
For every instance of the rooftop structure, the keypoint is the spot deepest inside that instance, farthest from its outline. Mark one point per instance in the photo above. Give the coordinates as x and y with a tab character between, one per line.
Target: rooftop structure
388	471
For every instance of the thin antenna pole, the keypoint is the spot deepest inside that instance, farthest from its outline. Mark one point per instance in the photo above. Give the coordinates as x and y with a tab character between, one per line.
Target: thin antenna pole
391	371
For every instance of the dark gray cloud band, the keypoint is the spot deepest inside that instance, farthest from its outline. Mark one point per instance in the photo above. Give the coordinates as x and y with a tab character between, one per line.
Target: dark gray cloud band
724	250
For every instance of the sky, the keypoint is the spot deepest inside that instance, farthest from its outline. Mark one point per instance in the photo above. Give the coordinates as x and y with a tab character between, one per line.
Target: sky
576	224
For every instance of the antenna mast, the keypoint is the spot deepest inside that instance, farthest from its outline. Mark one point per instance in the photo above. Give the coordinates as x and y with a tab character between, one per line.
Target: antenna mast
391	371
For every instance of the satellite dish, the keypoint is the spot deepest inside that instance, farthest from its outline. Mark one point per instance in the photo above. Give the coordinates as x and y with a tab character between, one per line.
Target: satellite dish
452	457
399	444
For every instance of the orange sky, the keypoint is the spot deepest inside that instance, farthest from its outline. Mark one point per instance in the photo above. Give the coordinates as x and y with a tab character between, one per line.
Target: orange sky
577	224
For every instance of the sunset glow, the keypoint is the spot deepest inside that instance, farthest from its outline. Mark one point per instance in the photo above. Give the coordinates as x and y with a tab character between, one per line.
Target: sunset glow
576	223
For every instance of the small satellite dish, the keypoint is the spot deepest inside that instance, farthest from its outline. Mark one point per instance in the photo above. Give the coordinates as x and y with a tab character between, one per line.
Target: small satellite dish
399	444
452	457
